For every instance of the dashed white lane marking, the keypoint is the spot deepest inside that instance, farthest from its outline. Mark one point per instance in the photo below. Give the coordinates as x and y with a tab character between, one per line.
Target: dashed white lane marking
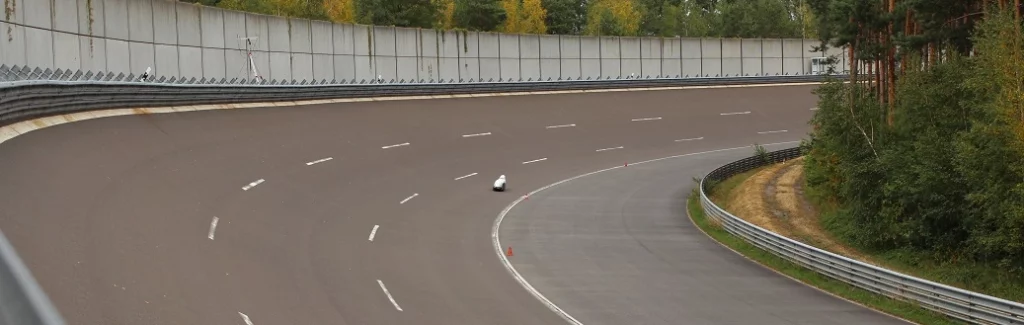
646	119
373	232
395	145
476	135
533	161
775	131
606	149
213	227
560	126
409	198
245	318
253	184
690	139
382	287
461	177
735	113
318	161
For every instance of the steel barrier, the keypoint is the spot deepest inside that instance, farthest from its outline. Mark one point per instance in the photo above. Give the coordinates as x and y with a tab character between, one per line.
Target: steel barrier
965	305
23	302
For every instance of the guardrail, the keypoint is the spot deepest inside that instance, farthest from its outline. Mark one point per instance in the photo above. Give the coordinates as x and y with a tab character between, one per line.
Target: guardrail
22	302
965	305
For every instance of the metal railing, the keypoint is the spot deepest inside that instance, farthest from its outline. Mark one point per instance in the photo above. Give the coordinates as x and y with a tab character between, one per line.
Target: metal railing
965	305
33	93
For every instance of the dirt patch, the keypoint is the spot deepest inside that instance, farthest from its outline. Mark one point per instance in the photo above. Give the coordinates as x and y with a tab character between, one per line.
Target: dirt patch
774	199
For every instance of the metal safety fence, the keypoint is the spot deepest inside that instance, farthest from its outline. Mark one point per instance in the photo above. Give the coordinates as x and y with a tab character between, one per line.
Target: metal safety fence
961	304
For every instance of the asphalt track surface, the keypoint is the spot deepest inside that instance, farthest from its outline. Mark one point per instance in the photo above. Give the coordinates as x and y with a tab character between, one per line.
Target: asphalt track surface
617	247
115	216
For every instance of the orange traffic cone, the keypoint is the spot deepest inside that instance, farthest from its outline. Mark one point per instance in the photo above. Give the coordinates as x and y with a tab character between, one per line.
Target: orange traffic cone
509	253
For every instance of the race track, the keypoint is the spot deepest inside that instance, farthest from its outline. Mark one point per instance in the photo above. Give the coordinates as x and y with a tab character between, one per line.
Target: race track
265	215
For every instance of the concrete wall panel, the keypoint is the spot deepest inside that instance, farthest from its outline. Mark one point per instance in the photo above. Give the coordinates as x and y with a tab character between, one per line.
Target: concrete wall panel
450	70
344	40
140	20
65	16
262	61
214	64
322	36
449	44
118	56
212	24
510	69
529	69
280	67
691	48
323	67
711	60
752	59
552	68
771	53
257	26
36	13
591	68
407	42
301	37
165	22
12	44
470	65
302	66
279	35
732	63
407	69
91	19
551	47
362	37
489	45
344	67
115	14
65	51
166	61
530	47
385	62
143	56
190	62
236	64
509	46
235	31
93	53
39	48
490	69
591	48
189	30
693	67
428	65
630	57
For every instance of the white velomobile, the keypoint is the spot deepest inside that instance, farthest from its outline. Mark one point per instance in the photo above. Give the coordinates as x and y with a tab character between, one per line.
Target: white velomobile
499	184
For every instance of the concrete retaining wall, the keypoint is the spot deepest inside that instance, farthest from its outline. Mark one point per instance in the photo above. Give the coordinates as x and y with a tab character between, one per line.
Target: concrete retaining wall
186	40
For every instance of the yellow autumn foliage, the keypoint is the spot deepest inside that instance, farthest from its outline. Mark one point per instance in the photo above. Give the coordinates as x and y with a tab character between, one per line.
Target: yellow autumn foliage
341	11
625	15
446	18
524	17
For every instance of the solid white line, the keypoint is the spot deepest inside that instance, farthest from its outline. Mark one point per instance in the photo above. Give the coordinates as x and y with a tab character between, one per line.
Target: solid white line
606	149
395	145
373	232
735	113
814	108
495	228
560	126
245	318
213	227
318	161
409	198
382	287
461	177
646	119
476	135
770	132
690	139
533	161
253	184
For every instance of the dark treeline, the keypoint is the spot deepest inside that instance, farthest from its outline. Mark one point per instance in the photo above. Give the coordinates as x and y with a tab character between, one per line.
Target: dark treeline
688	18
924	151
